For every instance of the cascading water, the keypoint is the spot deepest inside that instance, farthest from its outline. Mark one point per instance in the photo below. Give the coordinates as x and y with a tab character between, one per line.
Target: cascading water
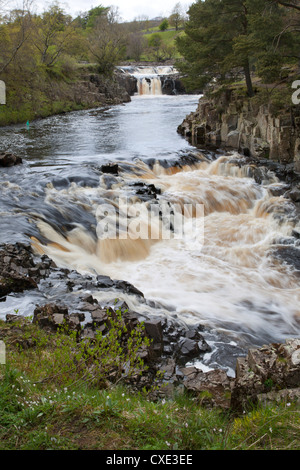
219	272
150	80
149	85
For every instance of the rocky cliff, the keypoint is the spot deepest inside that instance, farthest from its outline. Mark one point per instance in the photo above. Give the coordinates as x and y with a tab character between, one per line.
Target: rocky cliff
236	122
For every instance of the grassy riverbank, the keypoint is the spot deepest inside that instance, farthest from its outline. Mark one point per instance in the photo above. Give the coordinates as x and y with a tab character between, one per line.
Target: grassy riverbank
43	407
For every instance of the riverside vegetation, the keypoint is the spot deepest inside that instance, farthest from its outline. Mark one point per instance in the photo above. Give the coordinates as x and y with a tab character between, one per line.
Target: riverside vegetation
52	63
68	403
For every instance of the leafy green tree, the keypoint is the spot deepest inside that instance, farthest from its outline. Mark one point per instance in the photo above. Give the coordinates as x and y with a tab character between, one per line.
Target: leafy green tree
15	31
107	43
164	25
155	42
53	34
225	37
88	19
207	43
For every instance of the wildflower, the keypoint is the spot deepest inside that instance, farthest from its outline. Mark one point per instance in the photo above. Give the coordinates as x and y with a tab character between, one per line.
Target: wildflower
168	443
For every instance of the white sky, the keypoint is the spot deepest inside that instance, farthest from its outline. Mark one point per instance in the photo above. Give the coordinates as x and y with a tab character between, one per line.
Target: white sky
128	9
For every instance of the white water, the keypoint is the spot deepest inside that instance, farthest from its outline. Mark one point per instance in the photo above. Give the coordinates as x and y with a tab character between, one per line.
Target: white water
149	78
228	279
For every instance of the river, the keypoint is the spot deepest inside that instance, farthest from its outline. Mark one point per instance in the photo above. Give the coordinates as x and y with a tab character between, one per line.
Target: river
218	272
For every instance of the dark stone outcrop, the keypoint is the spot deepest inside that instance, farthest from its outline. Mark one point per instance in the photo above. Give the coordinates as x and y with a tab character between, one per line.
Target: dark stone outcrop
9	159
111	168
230	120
271	373
19	270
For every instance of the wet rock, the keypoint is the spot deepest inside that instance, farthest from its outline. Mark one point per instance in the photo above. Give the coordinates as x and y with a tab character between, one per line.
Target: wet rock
154	331
129	82
146	191
9	159
294	194
19	270
111	168
289	255
128	288
187	349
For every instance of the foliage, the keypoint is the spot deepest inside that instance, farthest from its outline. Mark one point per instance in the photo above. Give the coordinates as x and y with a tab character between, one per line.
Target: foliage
106	43
114	356
224	38
164	25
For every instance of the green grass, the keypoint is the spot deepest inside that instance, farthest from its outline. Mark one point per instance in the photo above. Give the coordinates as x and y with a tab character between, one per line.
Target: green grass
168	39
38	411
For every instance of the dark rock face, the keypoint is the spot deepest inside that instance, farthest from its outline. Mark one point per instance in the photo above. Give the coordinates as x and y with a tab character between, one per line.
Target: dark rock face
9	159
213	388
110	89
231	121
289	255
172	85
18	270
110	168
267	374
128	82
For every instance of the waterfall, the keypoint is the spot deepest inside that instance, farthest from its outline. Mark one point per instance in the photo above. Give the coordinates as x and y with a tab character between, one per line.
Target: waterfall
151	79
150	85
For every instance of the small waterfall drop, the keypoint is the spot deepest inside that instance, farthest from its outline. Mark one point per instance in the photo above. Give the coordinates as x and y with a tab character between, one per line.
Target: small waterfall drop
149	85
150	79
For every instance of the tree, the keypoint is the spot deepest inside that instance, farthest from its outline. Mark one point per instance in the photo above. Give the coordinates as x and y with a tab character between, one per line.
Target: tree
15	30
228	36
107	42
289	4
53	34
136	45
176	17
208	41
154	42
164	25
88	19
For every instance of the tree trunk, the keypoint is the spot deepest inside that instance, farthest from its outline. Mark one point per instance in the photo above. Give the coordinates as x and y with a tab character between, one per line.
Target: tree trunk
248	79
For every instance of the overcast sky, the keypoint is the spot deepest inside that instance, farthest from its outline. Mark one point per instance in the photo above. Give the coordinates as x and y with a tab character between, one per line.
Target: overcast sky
128	9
